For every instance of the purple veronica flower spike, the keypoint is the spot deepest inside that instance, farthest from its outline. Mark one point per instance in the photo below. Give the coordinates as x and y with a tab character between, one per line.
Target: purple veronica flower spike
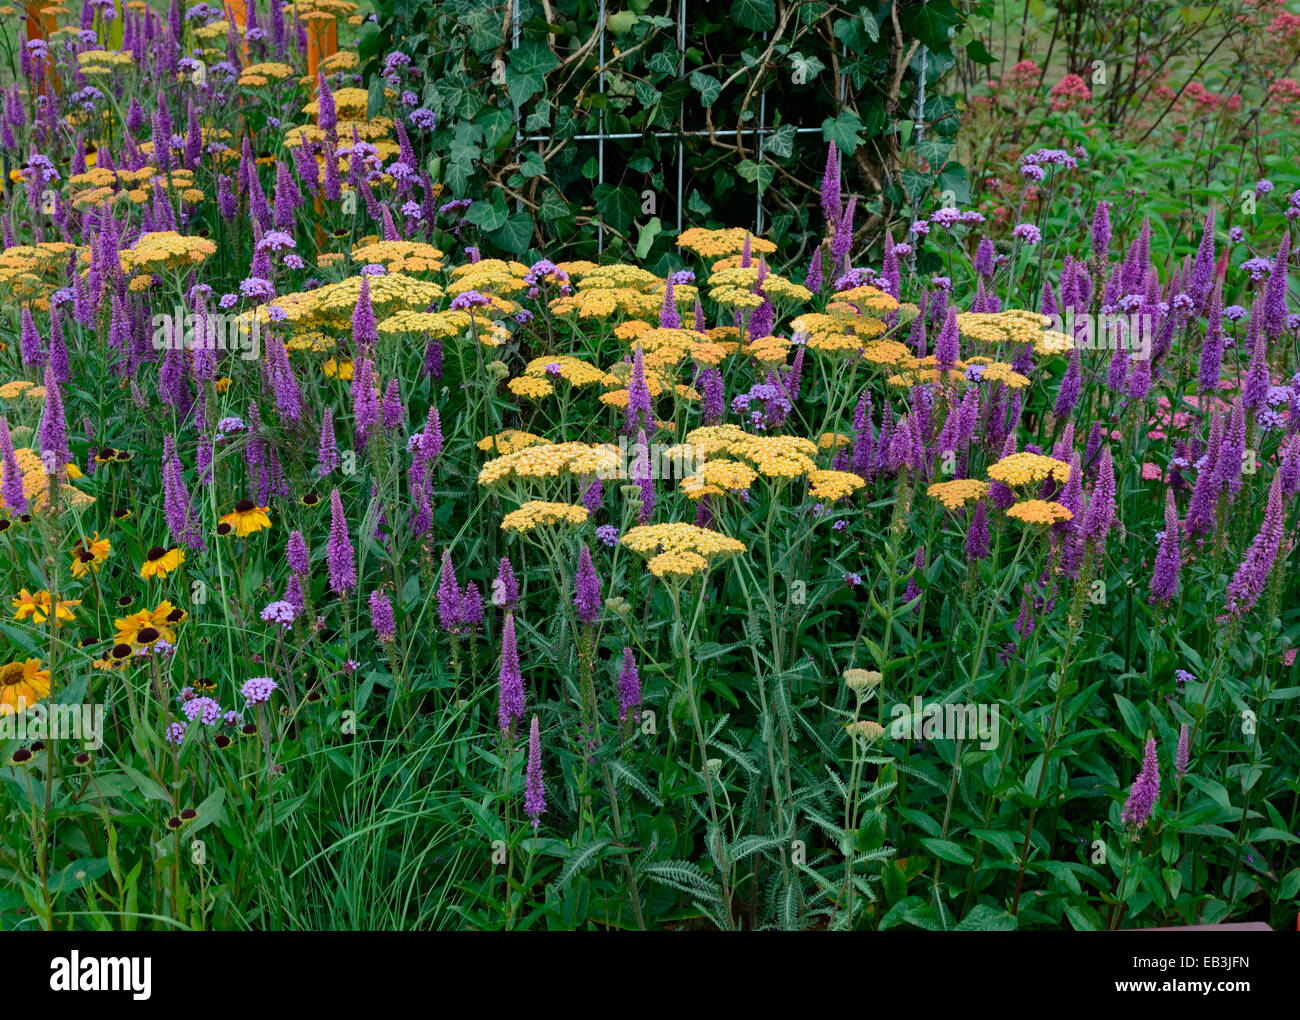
534	788
1146	788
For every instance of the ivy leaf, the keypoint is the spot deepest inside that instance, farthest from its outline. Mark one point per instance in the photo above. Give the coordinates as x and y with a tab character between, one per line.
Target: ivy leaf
515	235
617	205
955	179
646	94
649	232
662	63
623	21
532	165
707	86
553	206
488	216
843	131
780	143
929	22
755	15
762	173
527	70
698	204
978	52
540	118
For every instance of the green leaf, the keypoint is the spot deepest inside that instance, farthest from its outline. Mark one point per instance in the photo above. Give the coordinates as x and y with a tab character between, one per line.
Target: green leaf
149	787
618	205
487	215
948	850
978	52
623	21
515	235
985	918
1133	719
649	232
929	22
647	95
843	130
760	173
527	69
780	143
707	86
532	165
755	15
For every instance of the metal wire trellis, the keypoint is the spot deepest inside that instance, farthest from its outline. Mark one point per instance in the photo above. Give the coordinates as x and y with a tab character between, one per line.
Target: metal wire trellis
600	137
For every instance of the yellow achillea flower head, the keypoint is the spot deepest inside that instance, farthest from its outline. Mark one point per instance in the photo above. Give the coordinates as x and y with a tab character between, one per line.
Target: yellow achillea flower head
957	492
349	104
549	460
604	302
536	513
36	484
868	299
530	388
778	456
259	74
885	352
400	256
574	371
716	477
717	243
166	249
744	279
834	485
1039	511
677	565
332	304
510	441
651	539
768	350
1028	468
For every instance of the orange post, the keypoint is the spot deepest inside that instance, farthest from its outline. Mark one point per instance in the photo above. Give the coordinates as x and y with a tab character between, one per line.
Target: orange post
322	38
41	23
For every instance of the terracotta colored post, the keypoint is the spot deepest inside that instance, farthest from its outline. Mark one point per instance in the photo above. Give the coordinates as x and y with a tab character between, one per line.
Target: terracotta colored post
322	41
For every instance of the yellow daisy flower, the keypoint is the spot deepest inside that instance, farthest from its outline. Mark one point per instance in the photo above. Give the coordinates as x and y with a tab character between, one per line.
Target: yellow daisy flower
22	684
160	562
247	517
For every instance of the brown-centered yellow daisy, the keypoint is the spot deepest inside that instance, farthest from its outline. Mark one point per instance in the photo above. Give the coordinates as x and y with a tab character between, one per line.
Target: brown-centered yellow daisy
88	554
22	684
36	605
160	562
247	517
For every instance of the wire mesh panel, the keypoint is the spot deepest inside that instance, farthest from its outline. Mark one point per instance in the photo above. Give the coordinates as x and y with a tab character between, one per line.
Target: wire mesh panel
681	131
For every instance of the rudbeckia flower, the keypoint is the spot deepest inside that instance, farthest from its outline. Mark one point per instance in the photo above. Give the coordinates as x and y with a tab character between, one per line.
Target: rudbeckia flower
165	620
128	627
247	517
160	562
22	684
37	606
88	554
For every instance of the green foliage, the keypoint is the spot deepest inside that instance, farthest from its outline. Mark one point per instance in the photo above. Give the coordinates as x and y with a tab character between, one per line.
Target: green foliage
514	122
